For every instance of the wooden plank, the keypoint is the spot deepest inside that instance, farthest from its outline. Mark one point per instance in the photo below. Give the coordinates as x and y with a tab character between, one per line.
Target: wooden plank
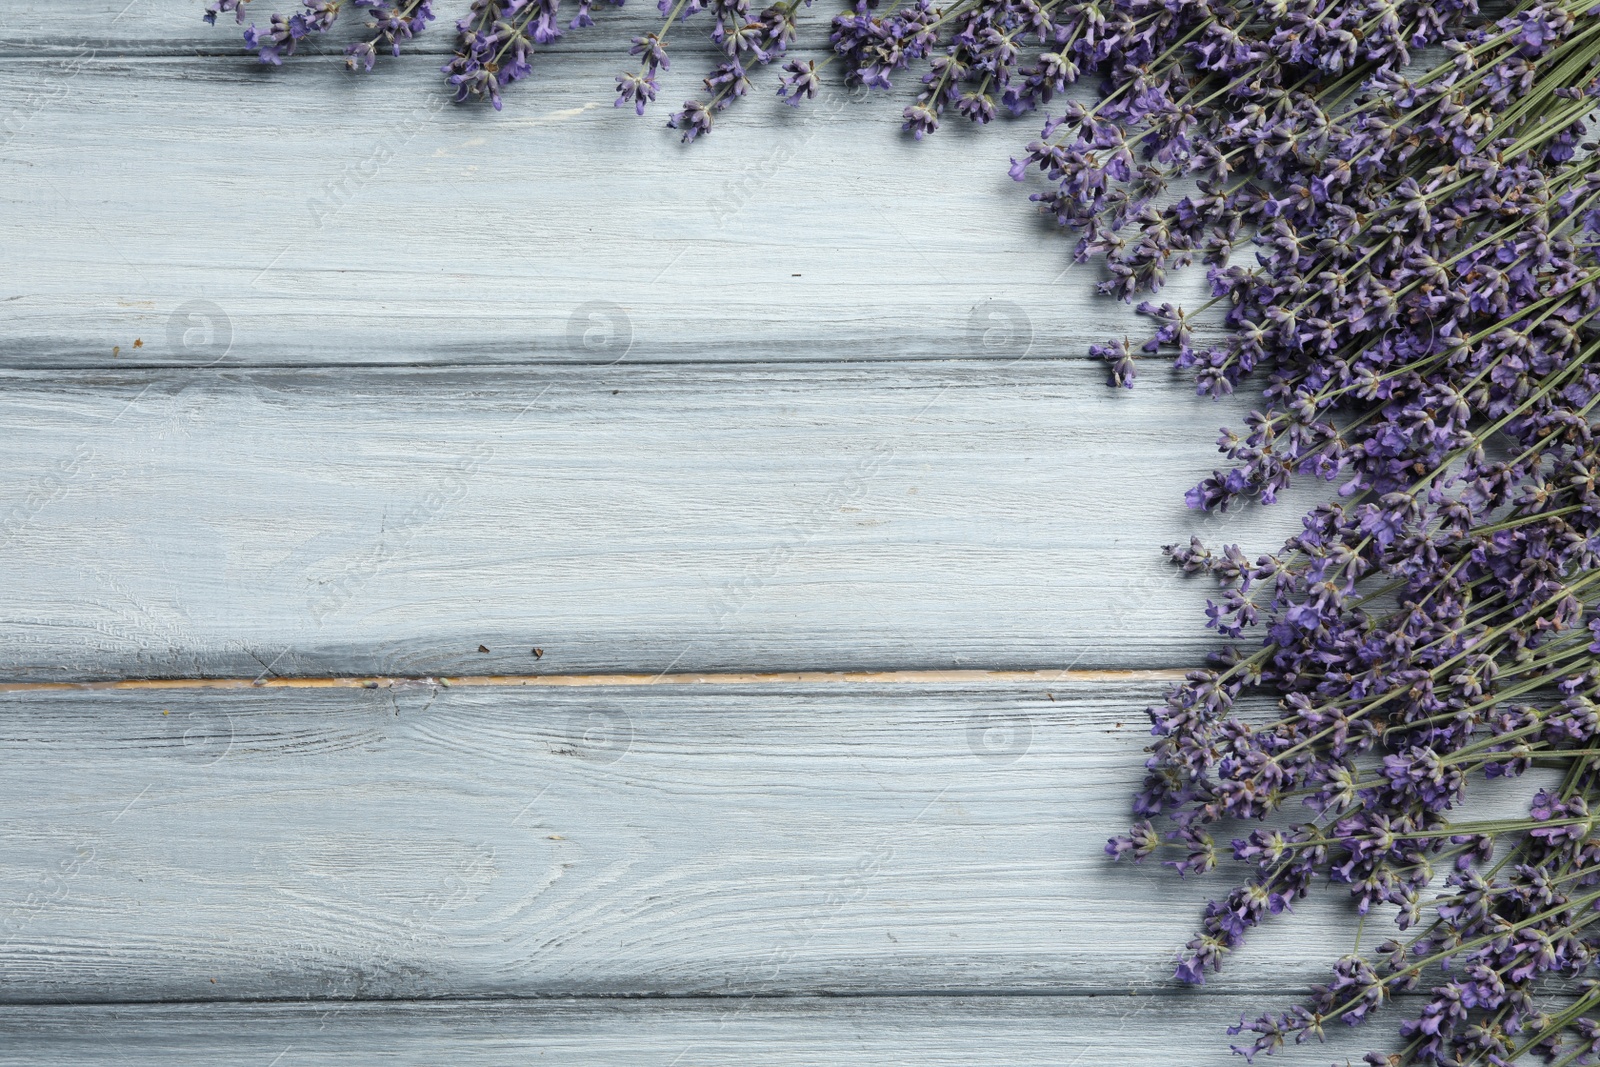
176	28
196	211
937	1031
831	517
630	841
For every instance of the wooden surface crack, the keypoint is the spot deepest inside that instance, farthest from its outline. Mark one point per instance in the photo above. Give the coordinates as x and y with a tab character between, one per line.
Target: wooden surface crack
908	677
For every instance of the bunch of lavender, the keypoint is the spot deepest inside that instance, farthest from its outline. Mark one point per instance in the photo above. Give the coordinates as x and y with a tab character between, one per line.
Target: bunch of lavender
1423	308
392	21
495	41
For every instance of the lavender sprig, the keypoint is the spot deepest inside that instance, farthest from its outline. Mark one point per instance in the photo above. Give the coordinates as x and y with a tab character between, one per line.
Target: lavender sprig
284	32
754	42
221	7
495	41
394	22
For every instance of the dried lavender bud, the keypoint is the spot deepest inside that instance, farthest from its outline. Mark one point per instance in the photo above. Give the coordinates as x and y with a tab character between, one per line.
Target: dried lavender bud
394	21
220	7
285	32
799	82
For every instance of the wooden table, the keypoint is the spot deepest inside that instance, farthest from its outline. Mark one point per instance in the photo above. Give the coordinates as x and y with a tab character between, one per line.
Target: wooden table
799	575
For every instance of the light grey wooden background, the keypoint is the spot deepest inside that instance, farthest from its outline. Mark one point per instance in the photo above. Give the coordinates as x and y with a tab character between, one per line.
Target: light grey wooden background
307	375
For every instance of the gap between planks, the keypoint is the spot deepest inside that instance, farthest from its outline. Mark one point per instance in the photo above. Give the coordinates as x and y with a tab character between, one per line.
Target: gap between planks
927	677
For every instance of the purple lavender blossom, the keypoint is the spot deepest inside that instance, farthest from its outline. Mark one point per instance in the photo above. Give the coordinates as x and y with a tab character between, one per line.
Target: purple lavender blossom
637	88
221	7
800	81
285	32
394	21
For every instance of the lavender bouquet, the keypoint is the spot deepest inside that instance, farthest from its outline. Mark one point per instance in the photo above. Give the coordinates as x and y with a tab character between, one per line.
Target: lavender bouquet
1421	310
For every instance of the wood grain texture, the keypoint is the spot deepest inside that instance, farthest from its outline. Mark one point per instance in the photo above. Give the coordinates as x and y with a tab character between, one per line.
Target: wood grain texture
646	841
201	210
844	516
177	28
805	396
1127	1031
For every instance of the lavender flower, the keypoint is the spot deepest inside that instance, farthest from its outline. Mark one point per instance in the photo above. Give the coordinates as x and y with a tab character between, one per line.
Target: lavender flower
394	22
495	42
285	32
799	82
638	89
220	7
